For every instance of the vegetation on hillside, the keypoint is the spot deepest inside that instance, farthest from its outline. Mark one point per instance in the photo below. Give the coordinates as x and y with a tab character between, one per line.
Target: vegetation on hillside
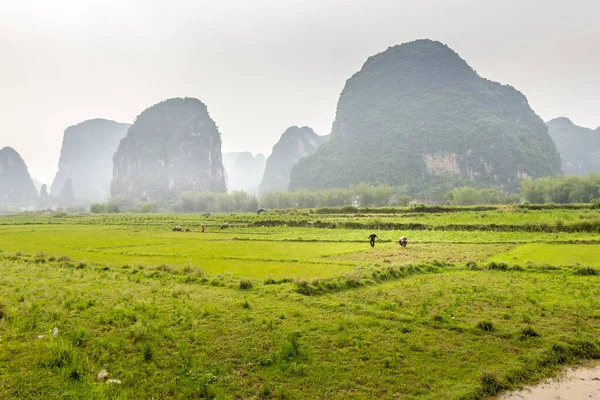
417	112
173	146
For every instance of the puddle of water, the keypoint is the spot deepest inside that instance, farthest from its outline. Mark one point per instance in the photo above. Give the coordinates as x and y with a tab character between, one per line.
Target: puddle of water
582	383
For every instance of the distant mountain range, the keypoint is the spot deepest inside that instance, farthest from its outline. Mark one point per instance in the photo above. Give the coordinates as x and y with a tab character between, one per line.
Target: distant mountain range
294	144
244	171
416	115
579	147
86	158
16	185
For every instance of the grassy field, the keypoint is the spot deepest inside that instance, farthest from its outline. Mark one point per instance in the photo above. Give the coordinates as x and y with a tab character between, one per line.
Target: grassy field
252	309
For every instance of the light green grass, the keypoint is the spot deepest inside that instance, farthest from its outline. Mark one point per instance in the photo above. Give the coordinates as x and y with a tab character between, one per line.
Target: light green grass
166	313
416	338
214	253
552	254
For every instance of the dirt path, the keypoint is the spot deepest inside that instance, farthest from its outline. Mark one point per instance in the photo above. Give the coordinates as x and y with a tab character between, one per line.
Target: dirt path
582	383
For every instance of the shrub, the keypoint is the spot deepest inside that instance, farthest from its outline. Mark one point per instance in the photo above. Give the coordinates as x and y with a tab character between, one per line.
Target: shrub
498	266
472	265
98	208
587	271
245	284
112	208
147	208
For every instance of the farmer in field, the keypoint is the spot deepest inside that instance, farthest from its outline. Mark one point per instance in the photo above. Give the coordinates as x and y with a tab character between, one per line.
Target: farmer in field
372	237
403	241
202	227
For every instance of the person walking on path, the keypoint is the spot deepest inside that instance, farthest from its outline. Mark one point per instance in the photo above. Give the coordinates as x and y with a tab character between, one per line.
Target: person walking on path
372	237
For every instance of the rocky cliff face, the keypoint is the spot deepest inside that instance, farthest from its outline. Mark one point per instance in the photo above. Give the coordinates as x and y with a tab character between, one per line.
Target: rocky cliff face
86	158
579	147
418	113
294	144
173	146
244	171
16	186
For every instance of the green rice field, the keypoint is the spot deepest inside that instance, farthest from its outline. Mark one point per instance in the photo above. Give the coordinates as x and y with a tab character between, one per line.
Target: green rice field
295	304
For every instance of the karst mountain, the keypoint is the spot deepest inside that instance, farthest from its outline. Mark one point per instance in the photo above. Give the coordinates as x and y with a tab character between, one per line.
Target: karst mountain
173	146
294	144
86	158
418	112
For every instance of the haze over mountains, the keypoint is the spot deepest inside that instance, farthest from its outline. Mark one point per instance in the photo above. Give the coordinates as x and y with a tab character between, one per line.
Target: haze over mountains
263	66
579	147
294	144
244	171
87	158
16	185
414	115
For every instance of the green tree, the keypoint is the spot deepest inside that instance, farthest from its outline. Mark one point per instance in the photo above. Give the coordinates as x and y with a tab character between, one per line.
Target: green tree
98	208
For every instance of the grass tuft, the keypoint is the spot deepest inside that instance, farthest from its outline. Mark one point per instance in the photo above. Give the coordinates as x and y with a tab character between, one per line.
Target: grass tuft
485	326
490	383
528	332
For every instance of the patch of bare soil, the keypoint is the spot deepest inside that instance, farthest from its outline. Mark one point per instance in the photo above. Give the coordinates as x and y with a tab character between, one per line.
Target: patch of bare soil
582	383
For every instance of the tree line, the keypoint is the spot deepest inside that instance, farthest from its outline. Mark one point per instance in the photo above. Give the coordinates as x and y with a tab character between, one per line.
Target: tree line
559	190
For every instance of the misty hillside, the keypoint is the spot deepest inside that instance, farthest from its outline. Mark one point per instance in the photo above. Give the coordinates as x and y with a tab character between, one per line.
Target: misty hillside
244	171
579	147
418	113
16	186
294	144
37	184
86	158
173	146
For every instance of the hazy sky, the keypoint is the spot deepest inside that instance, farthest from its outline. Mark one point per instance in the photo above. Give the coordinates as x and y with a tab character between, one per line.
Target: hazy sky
263	65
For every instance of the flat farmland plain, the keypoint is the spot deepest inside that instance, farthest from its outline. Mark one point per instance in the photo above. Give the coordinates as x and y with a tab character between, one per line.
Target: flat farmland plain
296	304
